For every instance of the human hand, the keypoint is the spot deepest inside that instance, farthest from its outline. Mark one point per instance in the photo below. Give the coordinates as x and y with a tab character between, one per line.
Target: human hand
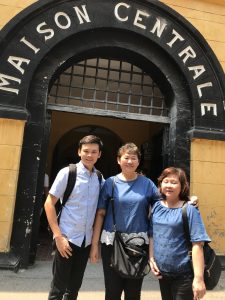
63	246
194	201
154	268
94	253
199	288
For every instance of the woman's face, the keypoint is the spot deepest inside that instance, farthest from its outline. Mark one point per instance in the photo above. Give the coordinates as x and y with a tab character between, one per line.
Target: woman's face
171	187
128	162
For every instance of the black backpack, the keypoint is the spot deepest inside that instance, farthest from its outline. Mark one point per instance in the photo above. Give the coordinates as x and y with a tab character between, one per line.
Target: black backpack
212	268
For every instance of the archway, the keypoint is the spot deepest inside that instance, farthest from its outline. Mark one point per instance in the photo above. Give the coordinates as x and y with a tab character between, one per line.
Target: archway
176	95
52	36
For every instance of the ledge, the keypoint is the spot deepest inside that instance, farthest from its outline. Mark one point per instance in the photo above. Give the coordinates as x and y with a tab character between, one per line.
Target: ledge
9	261
206	134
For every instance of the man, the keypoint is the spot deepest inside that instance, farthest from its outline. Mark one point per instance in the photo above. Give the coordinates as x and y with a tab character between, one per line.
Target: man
74	232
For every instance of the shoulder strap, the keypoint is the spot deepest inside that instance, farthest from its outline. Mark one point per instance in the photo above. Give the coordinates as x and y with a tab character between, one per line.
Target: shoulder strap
186	226
99	174
70	183
72	180
112	203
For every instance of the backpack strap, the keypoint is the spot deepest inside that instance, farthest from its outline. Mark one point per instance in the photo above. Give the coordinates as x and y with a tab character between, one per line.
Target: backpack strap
70	183
72	180
69	187
99	174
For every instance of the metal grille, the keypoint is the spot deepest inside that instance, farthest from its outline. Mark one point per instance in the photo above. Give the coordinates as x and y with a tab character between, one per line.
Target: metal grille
116	87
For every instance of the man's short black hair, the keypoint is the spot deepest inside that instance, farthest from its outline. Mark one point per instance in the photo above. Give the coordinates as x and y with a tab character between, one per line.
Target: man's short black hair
91	139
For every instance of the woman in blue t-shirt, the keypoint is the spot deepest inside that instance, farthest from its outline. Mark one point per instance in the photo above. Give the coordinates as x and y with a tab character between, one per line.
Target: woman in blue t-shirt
133	195
169	257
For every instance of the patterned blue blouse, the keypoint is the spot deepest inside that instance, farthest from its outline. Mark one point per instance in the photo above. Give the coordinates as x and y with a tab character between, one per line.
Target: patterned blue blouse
170	248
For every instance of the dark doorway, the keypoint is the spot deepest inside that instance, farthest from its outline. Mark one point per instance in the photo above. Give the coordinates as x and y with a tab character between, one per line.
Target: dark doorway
66	149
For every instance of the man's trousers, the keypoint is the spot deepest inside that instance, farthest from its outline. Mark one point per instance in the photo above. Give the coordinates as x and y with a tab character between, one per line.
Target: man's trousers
68	273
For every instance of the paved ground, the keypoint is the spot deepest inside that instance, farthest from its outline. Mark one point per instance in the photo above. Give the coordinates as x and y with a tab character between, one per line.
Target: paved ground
33	284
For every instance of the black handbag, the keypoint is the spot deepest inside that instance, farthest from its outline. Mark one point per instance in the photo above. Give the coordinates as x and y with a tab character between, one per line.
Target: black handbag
128	258
212	269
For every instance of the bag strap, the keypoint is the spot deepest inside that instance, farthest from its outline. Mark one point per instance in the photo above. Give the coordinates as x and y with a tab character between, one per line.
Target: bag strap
135	237
112	203
99	174
69	187
70	182
186	226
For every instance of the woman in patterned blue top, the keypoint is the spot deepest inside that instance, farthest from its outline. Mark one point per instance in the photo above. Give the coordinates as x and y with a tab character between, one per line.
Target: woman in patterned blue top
169	257
133	195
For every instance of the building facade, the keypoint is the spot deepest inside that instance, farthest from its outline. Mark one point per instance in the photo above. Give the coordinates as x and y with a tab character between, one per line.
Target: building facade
151	72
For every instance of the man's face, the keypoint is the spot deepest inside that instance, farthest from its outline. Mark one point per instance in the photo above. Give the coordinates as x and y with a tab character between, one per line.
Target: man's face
89	154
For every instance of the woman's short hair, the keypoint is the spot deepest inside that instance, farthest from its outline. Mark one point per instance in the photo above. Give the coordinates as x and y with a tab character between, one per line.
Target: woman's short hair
184	193
129	148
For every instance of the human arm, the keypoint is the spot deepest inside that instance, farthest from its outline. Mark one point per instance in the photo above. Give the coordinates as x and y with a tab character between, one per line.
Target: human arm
198	236
154	268
99	219
62	243
194	201
155	195
198	284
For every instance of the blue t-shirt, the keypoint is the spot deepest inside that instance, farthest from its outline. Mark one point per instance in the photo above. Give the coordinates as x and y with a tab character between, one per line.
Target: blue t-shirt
131	201
170	247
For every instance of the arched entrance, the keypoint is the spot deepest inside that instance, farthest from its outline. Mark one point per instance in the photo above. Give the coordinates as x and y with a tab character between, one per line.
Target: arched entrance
52	37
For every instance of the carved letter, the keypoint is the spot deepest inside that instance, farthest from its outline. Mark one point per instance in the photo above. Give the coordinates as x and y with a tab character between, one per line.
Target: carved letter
201	86
116	11
47	30
3	82
176	37
17	62
138	18
67	18
198	70
189	52
208	106
23	40
83	14
159	27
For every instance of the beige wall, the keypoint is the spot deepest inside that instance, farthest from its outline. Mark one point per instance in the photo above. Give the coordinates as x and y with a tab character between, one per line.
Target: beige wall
10	8
11	138
208	182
